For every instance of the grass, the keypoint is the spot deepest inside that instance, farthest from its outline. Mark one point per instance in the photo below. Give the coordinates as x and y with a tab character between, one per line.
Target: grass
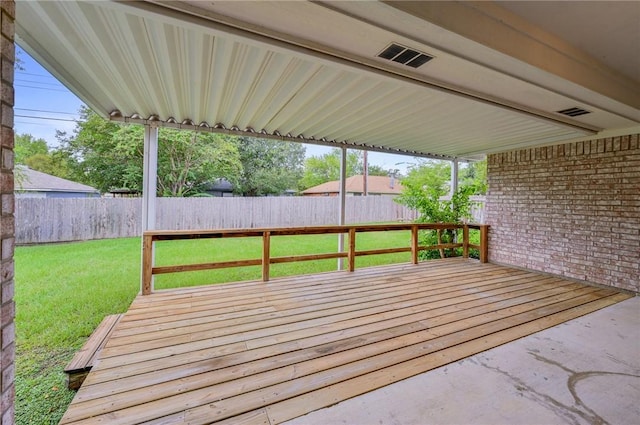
63	291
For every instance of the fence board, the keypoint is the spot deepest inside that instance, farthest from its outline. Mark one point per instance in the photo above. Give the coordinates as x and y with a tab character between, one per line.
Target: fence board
44	220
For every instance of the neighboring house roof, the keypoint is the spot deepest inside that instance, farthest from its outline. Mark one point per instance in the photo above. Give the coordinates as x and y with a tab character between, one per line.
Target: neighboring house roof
220	185
36	181
354	184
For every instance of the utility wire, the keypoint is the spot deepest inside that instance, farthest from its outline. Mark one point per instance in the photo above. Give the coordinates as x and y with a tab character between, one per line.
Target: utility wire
39	88
45	118
32	123
34	75
20	80
48	112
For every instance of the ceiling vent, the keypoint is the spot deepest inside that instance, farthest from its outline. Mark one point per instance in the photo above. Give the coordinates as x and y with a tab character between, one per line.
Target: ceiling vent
405	56
574	112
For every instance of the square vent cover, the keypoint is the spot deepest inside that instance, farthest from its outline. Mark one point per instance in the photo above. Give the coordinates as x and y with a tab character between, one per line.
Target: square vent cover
404	55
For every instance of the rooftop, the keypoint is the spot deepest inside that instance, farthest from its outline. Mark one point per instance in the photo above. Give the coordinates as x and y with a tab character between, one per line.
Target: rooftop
36	181
355	184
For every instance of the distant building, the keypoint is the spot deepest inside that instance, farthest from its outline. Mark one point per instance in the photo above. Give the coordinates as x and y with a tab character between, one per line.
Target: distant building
376	185
34	184
124	193
221	188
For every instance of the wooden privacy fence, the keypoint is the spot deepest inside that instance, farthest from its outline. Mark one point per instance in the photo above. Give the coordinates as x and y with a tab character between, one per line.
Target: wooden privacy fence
149	239
60	220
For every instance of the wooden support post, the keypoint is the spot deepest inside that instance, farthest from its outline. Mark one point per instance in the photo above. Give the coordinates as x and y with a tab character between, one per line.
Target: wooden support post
266	255
465	241
414	244
352	249
147	264
484	243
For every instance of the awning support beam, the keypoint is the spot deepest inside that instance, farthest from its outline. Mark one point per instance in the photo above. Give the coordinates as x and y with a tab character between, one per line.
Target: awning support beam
342	202
149	180
454	176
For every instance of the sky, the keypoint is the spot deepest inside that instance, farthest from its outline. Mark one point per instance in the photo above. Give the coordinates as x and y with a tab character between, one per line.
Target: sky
44	105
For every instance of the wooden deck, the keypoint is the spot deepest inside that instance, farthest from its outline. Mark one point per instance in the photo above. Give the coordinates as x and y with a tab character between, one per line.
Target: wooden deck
263	353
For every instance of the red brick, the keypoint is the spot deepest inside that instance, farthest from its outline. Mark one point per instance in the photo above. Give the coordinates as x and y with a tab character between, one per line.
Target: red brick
7	243
8	26
572	210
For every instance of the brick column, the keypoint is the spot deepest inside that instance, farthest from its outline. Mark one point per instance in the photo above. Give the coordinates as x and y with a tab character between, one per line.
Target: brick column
7	241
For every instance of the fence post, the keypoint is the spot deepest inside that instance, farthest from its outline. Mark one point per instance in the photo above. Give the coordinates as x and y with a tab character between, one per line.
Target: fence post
352	249
147	264
266	255
465	241
414	244
484	243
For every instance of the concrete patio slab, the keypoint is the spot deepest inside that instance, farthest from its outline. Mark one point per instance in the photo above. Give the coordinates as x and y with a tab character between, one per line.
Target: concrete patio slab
585	371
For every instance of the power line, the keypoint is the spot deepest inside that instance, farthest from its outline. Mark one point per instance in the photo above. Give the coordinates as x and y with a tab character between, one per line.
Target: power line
45	118
32	123
34	75
39	88
47	112
37	82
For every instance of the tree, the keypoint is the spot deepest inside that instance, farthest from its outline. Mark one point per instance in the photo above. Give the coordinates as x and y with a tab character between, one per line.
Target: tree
377	170
188	161
269	167
26	146
53	163
430	177
475	175
325	168
90	152
109	156
423	190
35	154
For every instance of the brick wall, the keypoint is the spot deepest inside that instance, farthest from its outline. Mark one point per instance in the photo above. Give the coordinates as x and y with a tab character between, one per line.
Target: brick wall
571	210
7	307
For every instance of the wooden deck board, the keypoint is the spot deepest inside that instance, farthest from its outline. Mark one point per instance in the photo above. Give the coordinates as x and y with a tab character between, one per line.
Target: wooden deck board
254	353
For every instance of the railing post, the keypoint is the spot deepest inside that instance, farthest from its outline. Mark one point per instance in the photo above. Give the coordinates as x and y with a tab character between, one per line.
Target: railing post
484	243
465	241
266	255
414	244
352	249
147	264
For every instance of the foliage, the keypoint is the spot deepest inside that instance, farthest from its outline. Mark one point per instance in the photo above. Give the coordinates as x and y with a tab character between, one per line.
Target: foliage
430	177
53	163
90	152
189	161
325	168
377	170
35	154
63	293
475	175
109	156
269	167
423	190
26	146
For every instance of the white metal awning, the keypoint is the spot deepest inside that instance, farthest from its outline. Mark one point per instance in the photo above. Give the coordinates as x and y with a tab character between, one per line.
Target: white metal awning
239	67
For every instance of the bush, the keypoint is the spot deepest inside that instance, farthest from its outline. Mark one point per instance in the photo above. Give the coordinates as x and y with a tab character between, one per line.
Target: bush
433	209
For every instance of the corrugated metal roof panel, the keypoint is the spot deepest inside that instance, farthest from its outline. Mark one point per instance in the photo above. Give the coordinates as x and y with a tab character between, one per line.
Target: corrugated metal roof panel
117	57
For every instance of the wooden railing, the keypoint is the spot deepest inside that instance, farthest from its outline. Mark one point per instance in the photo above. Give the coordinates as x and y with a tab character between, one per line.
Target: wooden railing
150	237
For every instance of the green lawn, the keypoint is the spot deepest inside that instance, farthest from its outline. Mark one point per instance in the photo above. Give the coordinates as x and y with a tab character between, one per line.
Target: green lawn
64	290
